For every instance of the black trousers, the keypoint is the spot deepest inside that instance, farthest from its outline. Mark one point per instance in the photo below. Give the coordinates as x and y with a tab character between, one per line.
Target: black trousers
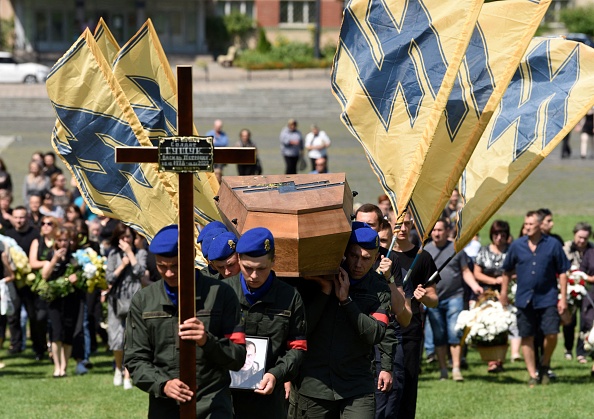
37	311
291	165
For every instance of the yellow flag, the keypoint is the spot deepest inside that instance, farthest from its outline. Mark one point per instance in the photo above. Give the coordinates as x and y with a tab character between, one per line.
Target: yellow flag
106	41
145	75
94	118
500	38
394	69
552	89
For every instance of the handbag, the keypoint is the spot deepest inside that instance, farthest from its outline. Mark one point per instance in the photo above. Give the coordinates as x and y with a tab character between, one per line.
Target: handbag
302	164
123	297
6	304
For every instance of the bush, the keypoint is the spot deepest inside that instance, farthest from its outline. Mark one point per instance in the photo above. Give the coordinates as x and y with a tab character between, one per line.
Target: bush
283	54
6	31
239	26
263	44
579	20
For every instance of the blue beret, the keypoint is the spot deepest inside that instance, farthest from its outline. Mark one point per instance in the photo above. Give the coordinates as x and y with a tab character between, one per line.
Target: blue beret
207	228
222	246
359	224
165	242
364	236
209	237
256	242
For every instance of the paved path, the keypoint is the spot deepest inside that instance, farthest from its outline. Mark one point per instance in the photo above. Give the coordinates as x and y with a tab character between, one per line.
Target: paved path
222	92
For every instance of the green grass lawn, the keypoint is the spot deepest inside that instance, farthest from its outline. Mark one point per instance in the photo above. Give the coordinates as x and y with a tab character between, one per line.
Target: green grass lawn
28	391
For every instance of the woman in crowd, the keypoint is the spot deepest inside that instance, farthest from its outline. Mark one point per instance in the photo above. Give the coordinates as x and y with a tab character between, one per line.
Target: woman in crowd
35	181
72	213
5	179
62	196
245	140
63	311
5	210
7	275
488	273
587	317
125	267
48	208
574	250
317	143
41	247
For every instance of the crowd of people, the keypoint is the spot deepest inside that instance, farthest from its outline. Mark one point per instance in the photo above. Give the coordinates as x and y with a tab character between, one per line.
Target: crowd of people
348	345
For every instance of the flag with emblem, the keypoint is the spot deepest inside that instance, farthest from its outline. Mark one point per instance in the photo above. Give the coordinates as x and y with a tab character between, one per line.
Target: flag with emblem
106	41
94	117
395	66
551	90
143	72
499	40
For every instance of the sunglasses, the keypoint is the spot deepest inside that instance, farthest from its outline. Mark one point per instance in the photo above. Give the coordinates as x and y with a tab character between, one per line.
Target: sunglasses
46	223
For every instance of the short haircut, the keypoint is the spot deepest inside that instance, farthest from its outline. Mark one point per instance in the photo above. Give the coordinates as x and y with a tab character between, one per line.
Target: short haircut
19	207
582	225
371	208
249	343
538	214
544	212
445	221
385	225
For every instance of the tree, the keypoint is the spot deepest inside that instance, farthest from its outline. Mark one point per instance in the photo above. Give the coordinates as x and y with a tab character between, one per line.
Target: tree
579	20
239	26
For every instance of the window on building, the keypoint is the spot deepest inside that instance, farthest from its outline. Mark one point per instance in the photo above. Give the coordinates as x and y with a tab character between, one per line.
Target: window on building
226	7
297	11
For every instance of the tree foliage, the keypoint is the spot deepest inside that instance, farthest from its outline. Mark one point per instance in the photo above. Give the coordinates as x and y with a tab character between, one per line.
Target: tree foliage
579	20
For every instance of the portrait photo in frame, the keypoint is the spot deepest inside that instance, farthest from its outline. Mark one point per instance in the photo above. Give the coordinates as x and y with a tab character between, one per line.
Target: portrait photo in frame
252	372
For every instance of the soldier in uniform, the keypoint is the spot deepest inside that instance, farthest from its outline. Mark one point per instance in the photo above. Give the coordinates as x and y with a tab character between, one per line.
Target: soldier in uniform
336	379
208	232
222	256
273	309
152	333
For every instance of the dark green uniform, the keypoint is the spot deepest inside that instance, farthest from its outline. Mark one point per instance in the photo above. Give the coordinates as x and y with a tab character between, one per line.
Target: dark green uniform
338	363
151	350
280	316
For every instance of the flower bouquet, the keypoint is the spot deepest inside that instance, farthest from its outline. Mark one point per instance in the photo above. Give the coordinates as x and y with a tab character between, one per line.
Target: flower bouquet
93	269
89	268
576	288
19	262
487	325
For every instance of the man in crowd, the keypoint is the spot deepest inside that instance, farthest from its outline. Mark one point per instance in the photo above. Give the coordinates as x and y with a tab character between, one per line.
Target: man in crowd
537	259
222	256
152	330
335	380
291	146
24	234
220	138
450	291
546	224
417	292
271	309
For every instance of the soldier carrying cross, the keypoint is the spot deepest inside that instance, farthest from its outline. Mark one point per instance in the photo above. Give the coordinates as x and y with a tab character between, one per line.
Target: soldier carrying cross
211	340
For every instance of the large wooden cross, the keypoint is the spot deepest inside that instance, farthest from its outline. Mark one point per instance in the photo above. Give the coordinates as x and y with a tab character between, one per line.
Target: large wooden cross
186	252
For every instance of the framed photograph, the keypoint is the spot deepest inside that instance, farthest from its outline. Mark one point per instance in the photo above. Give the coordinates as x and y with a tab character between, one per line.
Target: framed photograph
252	372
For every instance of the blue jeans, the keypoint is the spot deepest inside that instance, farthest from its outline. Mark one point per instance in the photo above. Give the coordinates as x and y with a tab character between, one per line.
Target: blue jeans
429	345
443	321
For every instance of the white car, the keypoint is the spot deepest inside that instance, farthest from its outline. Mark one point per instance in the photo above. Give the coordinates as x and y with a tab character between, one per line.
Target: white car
14	72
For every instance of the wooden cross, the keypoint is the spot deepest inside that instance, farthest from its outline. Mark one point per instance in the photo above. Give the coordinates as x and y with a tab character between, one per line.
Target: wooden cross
186	252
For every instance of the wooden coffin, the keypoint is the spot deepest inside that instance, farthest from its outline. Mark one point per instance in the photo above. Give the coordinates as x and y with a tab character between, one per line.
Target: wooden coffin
309	216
